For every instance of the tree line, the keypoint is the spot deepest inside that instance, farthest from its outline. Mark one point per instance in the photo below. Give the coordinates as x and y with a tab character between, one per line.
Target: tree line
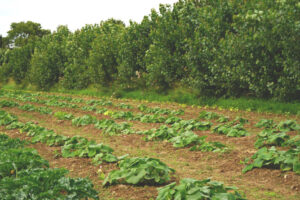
215	47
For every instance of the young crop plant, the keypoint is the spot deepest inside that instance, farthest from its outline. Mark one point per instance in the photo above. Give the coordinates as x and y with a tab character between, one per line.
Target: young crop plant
44	110
140	171
271	137
60	104
80	147
120	115
89	108
162	133
288	125
101	102
185	139
15	125
273	158
198	190
77	100
230	130
27	107
26	175
50	138
182	138
48	184
157	110
14	160
223	119
63	115
172	120
191	125
111	128
216	147
6	118
10	104
240	120
84	120
150	118
41	134
9	143
101	110
124	106
208	115
265	123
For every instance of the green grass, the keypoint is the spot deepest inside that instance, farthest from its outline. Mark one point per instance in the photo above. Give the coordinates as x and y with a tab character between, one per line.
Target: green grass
183	96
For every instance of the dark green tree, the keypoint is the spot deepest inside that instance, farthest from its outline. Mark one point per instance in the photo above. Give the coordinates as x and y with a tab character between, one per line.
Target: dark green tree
105	51
22	32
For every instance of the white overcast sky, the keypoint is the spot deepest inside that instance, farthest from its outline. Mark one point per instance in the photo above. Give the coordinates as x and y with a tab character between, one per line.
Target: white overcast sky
73	13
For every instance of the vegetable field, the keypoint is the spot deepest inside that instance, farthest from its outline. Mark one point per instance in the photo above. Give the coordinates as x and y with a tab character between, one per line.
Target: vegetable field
117	149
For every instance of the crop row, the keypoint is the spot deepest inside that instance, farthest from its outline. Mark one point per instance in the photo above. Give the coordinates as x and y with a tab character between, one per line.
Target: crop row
179	134
230	129
26	175
55	100
276	136
135	171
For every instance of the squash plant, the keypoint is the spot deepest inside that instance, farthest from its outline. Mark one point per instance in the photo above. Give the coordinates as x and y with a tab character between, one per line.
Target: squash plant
197	190
140	171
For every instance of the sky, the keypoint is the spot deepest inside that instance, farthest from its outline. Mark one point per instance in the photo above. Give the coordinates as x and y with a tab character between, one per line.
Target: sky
73	13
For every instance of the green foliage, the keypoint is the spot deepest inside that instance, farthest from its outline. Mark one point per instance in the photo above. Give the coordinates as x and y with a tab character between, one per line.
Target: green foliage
110	127
44	110
162	133
288	125
140	171
8	143
223	119
230	130
185	139
89	108
41	134
124	106
208	115
266	123
105	49
46	184
198	189
172	120
135	42
191	125
81	147
19	63
10	104
6	118
49	137
213	48
209	147
150	118
271	137
63	115
14	160
128	115
49	58
76	73
27	107
157	110
15	125
84	120
53	102
273	158
23	32
25	175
